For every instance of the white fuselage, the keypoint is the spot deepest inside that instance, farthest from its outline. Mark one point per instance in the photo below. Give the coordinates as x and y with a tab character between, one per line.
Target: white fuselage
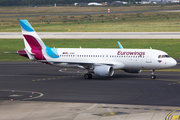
117	58
101	62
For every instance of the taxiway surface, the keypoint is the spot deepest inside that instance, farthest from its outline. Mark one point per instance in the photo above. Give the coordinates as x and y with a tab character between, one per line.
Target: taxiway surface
70	86
38	83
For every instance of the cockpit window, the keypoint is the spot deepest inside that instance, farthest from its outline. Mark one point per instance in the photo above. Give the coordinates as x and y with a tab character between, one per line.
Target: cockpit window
163	56
167	56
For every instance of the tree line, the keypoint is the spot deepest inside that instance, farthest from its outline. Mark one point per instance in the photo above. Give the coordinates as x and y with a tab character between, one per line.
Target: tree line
47	2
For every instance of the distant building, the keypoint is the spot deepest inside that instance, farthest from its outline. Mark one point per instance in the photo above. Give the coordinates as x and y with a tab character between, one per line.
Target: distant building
158	1
116	3
104	4
75	4
83	4
95	4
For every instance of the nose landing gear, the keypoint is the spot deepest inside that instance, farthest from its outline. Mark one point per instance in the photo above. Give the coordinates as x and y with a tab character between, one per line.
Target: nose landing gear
152	74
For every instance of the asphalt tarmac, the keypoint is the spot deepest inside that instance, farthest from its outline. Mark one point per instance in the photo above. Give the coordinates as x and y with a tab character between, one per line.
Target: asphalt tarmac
31	90
39	82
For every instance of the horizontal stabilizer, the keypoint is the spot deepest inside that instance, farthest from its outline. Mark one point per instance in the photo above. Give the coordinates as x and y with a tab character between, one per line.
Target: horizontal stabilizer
11	52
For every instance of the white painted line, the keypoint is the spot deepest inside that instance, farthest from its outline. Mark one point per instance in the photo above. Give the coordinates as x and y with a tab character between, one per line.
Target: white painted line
40	94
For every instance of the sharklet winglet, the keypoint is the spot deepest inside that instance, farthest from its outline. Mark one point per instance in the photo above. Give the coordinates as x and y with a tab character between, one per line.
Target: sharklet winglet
120	46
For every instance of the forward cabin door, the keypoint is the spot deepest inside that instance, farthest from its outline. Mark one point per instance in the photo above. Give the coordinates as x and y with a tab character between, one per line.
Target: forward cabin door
148	57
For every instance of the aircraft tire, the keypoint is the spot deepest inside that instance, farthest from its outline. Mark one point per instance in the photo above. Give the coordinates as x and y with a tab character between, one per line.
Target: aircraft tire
153	77
90	76
87	76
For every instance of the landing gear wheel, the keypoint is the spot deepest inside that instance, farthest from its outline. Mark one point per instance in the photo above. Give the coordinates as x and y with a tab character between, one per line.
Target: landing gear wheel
90	76
153	77
87	76
152	74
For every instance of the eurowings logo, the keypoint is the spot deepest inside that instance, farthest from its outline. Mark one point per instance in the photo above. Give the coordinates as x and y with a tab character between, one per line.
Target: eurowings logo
159	61
131	53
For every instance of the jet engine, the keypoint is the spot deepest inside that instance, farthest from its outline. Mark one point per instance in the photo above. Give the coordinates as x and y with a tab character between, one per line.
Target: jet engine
132	70
104	70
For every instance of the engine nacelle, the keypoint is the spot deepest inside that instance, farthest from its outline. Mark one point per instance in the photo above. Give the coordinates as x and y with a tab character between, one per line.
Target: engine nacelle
104	70
132	70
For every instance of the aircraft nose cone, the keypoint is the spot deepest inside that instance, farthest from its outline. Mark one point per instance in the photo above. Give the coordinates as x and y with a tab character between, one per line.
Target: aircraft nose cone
173	63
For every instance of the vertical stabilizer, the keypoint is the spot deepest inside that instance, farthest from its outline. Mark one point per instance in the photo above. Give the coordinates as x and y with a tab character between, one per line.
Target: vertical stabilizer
33	44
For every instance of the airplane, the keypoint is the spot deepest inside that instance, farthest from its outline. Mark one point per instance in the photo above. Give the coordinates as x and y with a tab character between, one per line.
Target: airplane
101	62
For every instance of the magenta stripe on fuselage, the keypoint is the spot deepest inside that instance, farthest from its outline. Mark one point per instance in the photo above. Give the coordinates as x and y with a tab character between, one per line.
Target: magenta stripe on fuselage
35	47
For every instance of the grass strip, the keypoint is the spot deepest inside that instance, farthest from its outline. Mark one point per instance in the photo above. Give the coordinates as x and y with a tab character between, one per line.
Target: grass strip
131	22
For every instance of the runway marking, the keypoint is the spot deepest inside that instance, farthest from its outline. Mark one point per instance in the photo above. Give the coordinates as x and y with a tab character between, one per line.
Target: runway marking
26	76
111	114
165	74
175	117
23	65
54	78
49	77
169	80
138	108
15	95
158	79
147	109
40	94
168	116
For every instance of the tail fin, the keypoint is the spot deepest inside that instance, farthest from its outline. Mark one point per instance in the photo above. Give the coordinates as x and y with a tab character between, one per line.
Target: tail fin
33	44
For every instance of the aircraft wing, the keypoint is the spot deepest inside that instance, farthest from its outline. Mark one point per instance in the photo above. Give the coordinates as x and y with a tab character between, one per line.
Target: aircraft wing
86	65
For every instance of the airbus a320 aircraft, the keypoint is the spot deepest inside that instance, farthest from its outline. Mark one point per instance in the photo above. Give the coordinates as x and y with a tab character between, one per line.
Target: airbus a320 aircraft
101	62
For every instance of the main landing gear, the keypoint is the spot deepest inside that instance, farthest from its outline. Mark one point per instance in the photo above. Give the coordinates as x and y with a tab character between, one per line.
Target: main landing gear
152	74
88	76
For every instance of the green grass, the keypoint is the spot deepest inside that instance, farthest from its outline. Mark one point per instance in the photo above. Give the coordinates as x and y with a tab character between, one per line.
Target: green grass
171	46
136	22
